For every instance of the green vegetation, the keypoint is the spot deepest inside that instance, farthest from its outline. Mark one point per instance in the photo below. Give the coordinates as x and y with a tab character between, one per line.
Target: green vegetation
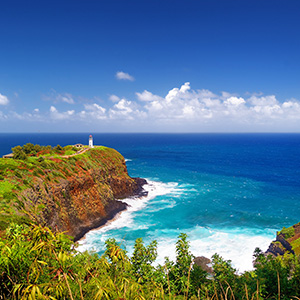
288	232
296	246
43	168
291	236
36	263
30	150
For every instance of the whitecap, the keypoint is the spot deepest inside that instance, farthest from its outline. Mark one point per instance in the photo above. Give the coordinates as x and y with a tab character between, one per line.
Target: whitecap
126	218
232	245
236	244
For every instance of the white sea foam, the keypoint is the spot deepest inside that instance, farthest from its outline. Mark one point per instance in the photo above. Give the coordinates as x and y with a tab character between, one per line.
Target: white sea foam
237	247
128	159
236	244
163	204
126	218
231	245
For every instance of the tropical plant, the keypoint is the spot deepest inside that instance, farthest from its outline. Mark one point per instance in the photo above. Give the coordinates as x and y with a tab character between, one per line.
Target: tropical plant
37	263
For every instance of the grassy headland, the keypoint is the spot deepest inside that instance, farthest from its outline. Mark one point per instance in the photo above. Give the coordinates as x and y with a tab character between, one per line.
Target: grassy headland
58	188
54	188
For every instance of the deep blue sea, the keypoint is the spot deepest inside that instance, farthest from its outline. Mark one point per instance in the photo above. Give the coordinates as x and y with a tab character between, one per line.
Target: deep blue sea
229	192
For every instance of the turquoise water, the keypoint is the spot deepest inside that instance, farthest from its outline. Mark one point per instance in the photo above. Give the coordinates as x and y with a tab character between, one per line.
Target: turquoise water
229	192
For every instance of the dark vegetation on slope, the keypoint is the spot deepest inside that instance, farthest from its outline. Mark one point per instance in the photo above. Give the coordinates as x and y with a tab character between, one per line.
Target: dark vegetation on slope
36	262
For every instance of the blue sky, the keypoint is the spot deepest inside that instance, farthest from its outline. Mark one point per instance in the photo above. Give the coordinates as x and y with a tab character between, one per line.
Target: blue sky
150	66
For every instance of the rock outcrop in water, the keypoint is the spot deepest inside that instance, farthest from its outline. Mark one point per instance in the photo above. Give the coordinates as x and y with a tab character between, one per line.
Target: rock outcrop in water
78	193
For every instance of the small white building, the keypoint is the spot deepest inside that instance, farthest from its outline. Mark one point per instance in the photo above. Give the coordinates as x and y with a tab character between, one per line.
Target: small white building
91	145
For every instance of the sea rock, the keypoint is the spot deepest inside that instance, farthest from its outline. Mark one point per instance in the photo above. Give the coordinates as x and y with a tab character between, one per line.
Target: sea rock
204	263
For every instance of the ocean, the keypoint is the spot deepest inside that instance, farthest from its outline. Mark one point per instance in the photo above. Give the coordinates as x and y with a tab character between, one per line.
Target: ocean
229	192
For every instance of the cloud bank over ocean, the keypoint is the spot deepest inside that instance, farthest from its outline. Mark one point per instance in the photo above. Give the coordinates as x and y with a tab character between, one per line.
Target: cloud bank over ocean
182	109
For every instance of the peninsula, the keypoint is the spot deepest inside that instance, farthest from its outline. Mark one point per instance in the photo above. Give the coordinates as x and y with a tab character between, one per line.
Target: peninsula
70	189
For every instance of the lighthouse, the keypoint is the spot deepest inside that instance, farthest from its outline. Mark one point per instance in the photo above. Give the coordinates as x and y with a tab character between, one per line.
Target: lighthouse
91	142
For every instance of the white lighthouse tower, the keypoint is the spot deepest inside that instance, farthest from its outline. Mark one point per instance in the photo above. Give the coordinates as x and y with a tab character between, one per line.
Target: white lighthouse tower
91	145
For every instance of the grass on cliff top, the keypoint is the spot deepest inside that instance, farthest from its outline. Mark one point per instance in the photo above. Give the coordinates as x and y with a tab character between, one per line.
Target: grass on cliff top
19	175
296	246
287	232
104	157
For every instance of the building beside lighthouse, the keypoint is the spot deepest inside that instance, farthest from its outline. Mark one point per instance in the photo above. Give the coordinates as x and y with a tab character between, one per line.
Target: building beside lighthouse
91	144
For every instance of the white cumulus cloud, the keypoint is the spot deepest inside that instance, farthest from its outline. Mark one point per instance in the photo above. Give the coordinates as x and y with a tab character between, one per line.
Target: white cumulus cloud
59	97
3	100
126	110
67	98
56	115
179	93
180	109
235	101
263	100
148	96
93	111
187	108
114	98
122	109
124	76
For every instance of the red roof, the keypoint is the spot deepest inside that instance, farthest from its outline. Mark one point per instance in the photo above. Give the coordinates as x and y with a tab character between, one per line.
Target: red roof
90	135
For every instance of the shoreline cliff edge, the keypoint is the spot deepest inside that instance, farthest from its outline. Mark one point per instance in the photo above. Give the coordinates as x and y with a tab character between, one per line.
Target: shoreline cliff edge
112	214
73	194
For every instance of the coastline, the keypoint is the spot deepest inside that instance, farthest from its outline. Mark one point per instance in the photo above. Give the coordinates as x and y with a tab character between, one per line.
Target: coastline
101	222
107	222
203	241
115	213
255	196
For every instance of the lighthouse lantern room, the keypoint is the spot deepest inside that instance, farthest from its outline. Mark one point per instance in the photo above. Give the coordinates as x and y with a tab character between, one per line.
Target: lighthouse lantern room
91	142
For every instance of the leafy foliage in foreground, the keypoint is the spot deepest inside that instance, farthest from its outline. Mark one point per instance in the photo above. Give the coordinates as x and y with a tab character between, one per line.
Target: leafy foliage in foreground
36	263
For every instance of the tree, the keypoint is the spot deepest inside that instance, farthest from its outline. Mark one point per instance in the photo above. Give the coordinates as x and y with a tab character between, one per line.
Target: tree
37	148
179	273
199	281
142	259
273	275
224	274
28	148
18	153
58	148
184	257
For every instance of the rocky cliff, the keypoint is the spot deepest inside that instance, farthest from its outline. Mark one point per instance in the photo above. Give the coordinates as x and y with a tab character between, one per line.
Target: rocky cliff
287	240
74	194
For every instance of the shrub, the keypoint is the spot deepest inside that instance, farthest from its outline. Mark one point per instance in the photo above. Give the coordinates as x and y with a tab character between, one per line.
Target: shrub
288	232
29	149
58	148
18	153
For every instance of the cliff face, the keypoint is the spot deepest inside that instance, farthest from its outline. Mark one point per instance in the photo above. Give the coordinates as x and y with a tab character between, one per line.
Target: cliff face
287	240
79	193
